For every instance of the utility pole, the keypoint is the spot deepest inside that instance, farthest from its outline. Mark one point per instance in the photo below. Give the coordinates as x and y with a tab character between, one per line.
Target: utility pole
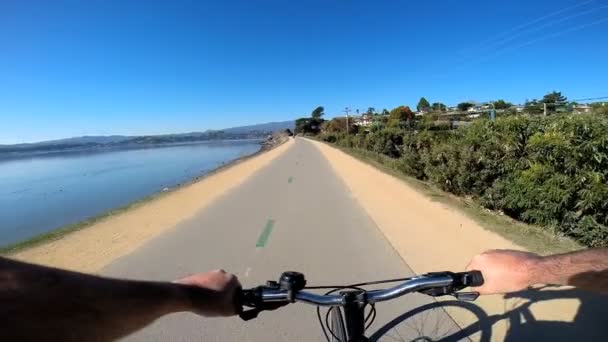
493	112
346	110
545	108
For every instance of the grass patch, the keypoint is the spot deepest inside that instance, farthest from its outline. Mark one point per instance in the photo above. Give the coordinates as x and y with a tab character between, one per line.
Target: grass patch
533	238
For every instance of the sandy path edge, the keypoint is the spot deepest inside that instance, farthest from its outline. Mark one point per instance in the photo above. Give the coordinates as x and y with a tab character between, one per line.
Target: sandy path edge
90	249
431	236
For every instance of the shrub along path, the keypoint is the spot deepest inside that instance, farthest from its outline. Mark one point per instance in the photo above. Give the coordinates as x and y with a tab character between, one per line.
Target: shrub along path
548	171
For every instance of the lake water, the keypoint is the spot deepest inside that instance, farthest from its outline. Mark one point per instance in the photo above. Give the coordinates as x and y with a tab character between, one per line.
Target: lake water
42	193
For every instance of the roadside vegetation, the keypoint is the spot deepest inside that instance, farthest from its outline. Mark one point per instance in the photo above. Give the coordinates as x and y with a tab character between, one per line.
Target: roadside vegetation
547	170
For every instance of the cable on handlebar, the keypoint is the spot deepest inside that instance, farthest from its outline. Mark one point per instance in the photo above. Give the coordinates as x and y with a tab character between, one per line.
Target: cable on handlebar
328	326
357	285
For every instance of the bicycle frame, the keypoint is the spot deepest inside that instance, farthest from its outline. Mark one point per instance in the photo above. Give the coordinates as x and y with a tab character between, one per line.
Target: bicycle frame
354	316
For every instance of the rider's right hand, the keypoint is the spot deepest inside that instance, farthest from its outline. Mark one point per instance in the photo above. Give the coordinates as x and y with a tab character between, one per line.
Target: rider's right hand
505	271
221	300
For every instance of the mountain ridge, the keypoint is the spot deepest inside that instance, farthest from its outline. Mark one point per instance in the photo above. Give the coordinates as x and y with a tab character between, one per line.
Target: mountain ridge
256	130
101	141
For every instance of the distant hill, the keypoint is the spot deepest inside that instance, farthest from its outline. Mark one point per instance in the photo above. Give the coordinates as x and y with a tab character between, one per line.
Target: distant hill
101	139
242	132
114	141
265	127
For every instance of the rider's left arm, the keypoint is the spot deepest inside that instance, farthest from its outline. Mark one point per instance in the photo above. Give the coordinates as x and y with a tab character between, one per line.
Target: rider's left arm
43	303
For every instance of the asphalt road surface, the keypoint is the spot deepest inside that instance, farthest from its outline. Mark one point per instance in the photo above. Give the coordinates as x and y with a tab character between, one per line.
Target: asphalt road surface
294	214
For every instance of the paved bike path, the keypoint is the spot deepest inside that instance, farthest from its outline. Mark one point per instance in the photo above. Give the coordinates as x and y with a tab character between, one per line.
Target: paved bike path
294	214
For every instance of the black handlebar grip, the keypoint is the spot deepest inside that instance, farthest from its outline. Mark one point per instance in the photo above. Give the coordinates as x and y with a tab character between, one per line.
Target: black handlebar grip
476	278
247	297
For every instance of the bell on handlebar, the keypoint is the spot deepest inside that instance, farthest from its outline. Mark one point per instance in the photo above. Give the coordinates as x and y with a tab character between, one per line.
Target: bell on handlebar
292	282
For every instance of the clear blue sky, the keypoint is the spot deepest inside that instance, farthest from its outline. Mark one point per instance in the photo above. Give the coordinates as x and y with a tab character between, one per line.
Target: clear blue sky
70	68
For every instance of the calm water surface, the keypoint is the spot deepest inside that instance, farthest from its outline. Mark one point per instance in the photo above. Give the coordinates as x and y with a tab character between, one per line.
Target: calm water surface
42	193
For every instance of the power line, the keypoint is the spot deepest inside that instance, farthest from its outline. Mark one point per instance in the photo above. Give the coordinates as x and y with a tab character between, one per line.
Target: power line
538	28
591	99
507	48
498	52
552	14
559	33
530	42
557	103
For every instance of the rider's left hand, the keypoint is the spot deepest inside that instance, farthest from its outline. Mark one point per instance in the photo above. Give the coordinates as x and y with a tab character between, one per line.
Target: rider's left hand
222	300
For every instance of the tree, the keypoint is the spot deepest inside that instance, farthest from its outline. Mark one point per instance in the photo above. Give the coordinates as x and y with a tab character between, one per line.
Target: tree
302	125
502	104
600	108
553	99
371	111
464	106
318	112
423	105
338	125
311	125
533	107
383	118
400	117
385	112
438	107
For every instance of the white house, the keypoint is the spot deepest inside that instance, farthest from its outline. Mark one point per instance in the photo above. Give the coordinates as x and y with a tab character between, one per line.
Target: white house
581	108
364	120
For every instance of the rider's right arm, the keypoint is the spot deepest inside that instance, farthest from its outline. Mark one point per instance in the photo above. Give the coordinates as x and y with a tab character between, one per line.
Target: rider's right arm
507	271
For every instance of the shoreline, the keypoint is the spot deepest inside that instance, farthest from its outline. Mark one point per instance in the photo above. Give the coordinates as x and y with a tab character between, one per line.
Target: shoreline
22	249
9	156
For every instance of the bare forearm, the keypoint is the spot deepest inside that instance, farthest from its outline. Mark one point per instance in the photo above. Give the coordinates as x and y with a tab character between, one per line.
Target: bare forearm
507	271
587	269
40	303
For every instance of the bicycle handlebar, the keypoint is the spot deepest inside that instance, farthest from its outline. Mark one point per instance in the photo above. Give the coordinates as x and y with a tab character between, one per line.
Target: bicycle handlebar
289	290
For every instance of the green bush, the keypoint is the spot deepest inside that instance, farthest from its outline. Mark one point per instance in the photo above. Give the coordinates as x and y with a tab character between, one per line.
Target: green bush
550	171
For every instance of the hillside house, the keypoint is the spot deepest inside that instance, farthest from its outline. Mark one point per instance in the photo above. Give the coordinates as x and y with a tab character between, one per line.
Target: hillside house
364	120
581	108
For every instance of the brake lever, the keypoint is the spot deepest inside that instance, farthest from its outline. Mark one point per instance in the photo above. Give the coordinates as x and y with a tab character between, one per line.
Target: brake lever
438	292
249	314
445	291
251	298
466	296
